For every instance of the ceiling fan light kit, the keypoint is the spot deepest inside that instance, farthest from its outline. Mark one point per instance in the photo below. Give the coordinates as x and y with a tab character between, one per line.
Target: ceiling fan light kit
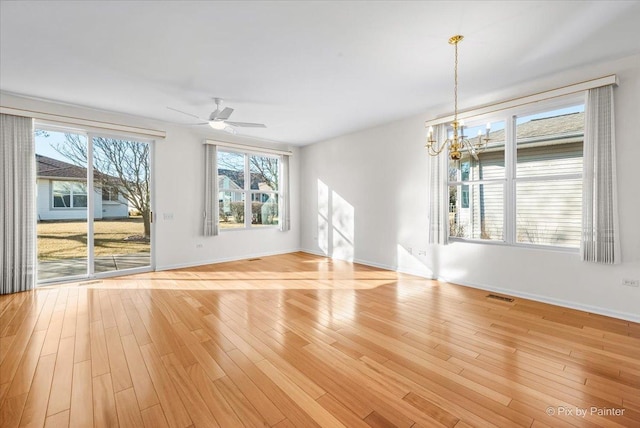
217	124
218	119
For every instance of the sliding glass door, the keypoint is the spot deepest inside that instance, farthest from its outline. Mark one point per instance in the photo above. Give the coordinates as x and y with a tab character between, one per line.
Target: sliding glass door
62	203
94	205
122	224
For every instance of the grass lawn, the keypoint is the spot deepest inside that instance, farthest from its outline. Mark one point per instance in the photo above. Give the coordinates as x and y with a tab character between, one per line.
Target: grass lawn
68	239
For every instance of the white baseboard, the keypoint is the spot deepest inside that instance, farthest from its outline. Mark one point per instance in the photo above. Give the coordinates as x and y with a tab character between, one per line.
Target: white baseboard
531	296
536	297
225	259
313	252
374	264
413	272
552	301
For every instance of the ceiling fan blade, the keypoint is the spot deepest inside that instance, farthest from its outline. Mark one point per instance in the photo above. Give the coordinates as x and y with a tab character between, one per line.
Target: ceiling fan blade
246	124
224	114
184	112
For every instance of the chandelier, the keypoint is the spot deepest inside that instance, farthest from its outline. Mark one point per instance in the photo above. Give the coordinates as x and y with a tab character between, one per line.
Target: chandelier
458	141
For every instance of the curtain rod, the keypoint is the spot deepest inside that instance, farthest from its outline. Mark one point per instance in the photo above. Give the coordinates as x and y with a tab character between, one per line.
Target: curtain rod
529	99
249	148
70	120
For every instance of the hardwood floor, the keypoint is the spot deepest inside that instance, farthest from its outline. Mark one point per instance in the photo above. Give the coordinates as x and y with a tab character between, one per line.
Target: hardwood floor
301	341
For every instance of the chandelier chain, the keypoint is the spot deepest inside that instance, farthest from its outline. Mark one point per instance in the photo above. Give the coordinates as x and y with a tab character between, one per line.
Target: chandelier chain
455	85
457	145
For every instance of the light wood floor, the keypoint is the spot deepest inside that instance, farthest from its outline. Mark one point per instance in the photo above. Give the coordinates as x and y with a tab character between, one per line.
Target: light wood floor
299	340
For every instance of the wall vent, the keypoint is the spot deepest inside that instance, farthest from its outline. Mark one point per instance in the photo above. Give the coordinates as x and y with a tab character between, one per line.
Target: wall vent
496	297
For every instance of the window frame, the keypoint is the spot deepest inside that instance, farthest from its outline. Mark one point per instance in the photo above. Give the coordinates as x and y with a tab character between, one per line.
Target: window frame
472	183
247	191
71	194
113	194
509	116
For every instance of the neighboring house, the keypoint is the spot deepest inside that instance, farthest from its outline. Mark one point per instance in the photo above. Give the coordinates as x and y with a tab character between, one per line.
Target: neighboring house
546	147
264	206
227	195
228	182
62	193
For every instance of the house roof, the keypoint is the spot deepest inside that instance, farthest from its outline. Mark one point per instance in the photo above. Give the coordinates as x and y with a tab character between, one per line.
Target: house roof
236	177
557	127
49	167
566	124
54	168
230	184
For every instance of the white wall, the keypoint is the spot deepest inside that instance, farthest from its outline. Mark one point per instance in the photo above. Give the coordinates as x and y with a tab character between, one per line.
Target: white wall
365	199
178	168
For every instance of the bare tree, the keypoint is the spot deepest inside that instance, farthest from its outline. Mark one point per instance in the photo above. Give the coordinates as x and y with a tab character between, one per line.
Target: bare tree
117	164
267	170
263	169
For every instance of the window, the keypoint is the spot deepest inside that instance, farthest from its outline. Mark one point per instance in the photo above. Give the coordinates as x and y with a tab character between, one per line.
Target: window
248	190
548	178
110	194
476	190
69	194
526	187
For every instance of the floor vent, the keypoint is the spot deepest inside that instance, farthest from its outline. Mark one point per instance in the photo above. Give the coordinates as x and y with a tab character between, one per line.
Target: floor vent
504	299
253	260
90	282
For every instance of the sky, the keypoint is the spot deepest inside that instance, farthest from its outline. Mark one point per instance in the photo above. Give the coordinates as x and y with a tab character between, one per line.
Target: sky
44	145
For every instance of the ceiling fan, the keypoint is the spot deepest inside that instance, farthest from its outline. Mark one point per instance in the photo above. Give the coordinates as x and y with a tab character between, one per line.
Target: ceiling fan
218	118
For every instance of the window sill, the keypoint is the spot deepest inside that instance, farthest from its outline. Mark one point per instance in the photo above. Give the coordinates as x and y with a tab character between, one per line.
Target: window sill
234	229
516	245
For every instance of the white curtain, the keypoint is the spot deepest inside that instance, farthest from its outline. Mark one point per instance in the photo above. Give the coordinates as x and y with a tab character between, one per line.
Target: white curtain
284	208
600	234
17	204
438	191
211	204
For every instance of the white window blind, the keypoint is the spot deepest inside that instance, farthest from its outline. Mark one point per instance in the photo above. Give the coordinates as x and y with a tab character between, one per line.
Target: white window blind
17	204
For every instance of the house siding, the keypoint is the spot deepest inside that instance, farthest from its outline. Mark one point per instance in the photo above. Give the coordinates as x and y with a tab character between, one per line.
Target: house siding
100	210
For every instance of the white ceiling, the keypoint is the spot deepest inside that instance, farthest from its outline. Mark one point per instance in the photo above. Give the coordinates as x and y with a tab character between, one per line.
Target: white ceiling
309	70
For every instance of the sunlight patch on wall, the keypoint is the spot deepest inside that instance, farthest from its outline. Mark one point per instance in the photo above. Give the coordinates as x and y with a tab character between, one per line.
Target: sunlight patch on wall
408	262
343	222
336	224
323	218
